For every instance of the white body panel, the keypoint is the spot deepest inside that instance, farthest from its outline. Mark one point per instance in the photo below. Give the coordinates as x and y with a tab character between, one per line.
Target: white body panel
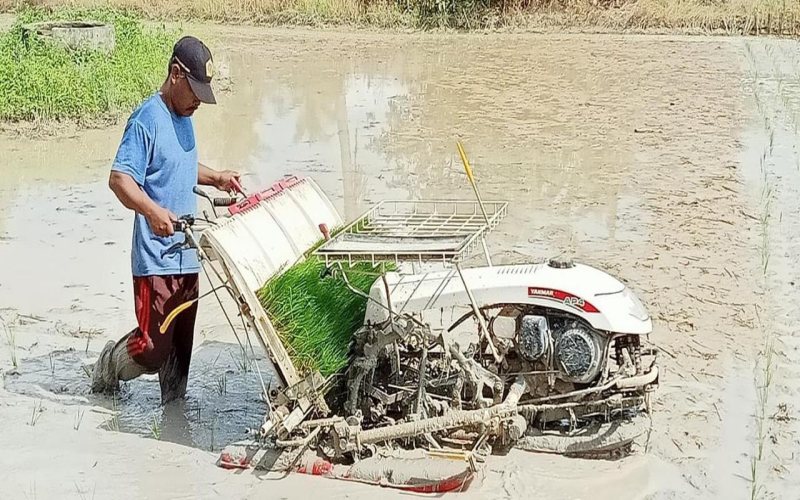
275	234
262	241
618	310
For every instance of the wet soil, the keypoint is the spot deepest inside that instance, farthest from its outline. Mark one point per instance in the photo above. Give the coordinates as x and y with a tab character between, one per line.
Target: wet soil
222	403
670	162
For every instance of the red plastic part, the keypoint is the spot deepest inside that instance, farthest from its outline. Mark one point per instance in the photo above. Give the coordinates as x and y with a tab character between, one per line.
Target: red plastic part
275	189
320	467
237	186
326	233
227	461
460	481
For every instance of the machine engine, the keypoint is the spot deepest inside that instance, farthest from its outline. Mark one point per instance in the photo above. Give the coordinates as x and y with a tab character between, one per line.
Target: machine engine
407	371
575	350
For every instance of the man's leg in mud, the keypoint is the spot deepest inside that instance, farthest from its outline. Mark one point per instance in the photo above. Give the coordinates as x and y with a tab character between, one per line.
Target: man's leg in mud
137	353
116	361
174	373
115	365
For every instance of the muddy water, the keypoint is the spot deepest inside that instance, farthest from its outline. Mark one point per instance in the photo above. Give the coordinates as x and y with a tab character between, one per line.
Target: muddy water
773	170
639	155
222	402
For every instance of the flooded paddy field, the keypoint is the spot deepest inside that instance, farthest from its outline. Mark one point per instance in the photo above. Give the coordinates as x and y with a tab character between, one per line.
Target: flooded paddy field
670	162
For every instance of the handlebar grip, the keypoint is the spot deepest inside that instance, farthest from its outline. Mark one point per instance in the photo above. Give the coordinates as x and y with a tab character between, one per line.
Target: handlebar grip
183	222
223	202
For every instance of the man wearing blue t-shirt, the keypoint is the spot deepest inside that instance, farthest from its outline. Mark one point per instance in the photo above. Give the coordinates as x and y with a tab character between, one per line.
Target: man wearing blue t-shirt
153	174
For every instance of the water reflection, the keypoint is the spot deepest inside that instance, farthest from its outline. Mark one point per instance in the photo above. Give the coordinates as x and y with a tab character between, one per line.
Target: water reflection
384	126
538	127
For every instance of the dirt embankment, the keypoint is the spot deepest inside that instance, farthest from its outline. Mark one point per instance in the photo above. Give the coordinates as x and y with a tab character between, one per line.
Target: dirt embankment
746	17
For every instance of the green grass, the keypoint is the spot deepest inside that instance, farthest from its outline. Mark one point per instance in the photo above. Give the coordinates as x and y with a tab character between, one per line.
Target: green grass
316	317
40	80
155	427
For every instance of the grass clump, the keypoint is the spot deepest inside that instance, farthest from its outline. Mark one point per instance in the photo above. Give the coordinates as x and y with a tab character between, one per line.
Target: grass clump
42	80
316	317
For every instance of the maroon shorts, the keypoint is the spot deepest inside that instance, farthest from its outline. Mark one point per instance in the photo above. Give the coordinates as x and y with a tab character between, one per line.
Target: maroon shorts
168	353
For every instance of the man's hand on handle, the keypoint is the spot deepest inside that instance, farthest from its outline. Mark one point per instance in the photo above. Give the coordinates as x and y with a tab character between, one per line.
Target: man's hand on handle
228	181
224	180
161	221
133	197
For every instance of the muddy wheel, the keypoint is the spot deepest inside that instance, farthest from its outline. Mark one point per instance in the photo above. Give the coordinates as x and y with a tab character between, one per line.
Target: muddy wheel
75	35
606	439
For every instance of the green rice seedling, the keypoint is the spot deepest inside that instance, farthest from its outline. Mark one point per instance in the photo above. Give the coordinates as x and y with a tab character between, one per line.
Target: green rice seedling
36	413
242	362
83	493
113	422
765	366
11	340
314	316
214	363
213	429
78	419
92	332
155	427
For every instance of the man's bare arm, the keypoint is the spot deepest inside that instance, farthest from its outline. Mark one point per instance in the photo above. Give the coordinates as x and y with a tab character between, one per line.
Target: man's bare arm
206	176
132	197
220	179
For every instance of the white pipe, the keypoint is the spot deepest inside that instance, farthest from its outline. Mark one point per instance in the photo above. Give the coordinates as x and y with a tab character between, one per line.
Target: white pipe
638	380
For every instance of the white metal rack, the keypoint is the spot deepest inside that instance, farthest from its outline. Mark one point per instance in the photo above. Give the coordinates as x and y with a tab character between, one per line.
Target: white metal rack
407	231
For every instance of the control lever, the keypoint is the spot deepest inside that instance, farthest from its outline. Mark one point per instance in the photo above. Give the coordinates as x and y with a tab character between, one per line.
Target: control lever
223	201
238	187
184	225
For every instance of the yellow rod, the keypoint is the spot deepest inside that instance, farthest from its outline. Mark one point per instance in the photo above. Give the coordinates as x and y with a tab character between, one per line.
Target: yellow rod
471	178
474	185
174	314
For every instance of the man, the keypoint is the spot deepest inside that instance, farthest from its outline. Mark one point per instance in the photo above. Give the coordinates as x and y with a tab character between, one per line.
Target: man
153	174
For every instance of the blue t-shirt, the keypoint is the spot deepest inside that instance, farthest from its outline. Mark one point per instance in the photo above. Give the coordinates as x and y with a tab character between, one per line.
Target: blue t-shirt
158	151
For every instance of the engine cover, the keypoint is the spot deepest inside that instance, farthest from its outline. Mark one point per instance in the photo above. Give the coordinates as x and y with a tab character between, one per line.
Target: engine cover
577	355
532	337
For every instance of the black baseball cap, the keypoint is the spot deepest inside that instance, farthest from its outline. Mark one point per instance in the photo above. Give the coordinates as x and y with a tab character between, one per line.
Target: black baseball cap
195	59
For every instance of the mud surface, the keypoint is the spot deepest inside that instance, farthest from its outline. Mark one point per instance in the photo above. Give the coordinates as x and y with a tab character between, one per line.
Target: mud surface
222	402
669	162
